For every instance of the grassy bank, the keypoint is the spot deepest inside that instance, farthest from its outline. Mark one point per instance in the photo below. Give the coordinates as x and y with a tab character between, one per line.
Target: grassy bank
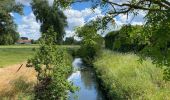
124	77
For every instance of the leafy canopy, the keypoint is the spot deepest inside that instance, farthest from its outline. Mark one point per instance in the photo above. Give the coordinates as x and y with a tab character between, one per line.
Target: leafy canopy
50	15
8	34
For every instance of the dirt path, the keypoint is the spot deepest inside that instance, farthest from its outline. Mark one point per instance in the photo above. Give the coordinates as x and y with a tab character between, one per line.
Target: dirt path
11	73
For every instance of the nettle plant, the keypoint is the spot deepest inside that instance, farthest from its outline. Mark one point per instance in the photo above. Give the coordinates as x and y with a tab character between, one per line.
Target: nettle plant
53	66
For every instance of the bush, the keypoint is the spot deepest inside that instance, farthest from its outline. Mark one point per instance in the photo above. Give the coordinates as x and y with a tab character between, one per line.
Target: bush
123	77
53	65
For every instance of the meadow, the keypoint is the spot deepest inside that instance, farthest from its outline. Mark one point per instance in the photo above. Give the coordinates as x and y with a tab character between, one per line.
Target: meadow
123	77
15	54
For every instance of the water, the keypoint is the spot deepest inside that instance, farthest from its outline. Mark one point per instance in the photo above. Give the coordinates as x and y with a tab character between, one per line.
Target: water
84	78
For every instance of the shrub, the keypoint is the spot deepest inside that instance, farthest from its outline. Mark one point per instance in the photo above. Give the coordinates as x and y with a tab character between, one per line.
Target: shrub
53	65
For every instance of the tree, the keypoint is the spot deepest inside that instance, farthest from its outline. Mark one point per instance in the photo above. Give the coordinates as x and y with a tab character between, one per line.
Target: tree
8	34
50	15
128	38
69	40
91	42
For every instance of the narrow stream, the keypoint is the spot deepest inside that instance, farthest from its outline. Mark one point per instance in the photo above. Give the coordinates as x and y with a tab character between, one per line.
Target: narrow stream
84	78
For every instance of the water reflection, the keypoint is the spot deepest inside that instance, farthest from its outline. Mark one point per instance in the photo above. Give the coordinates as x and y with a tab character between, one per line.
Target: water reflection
84	78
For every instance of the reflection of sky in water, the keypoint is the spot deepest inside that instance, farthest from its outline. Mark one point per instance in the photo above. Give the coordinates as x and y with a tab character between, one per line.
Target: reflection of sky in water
83	77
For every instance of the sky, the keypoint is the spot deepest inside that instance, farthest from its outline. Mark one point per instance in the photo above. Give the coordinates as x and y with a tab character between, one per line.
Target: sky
77	15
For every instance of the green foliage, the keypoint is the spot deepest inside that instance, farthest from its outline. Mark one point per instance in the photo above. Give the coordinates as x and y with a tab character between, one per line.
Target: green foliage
50	15
53	66
123	77
110	39
91	42
128	38
8	34
157	34
71	41
9	38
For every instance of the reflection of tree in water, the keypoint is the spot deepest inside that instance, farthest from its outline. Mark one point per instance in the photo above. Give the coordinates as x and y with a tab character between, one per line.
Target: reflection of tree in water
88	78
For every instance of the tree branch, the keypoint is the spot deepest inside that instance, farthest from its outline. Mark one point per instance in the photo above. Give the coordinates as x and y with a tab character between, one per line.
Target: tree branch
138	6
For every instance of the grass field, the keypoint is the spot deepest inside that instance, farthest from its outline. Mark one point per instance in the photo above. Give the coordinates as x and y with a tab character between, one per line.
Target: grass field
125	78
15	54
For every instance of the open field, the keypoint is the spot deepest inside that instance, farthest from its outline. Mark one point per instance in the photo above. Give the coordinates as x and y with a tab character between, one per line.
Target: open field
10	55
124	77
15	54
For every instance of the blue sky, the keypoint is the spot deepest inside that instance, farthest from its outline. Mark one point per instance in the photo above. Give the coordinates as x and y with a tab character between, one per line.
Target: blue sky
77	15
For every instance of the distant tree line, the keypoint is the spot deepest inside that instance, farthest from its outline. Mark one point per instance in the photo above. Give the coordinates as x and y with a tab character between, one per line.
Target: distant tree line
71	41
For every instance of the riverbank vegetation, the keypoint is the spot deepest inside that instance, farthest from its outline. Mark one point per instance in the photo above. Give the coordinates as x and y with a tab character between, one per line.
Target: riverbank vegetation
123	77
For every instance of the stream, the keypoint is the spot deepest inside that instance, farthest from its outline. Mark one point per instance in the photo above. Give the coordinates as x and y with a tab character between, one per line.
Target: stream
84	78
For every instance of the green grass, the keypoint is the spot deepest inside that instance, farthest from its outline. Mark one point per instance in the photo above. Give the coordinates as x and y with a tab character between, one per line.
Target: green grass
13	54
19	46
124	77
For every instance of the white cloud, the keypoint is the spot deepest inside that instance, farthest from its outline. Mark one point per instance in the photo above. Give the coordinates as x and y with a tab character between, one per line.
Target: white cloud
78	18
24	2
123	19
132	19
29	27
11	14
27	2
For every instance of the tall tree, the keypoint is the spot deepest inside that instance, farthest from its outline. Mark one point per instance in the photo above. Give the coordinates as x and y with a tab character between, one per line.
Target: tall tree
50	15
8	34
